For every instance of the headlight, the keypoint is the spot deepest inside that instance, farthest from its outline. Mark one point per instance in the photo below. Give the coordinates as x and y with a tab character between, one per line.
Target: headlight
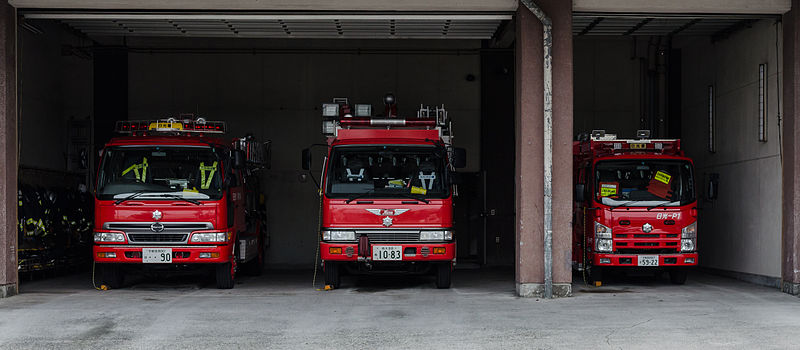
338	235
435	235
109	237
602	238
689	238
210	237
601	231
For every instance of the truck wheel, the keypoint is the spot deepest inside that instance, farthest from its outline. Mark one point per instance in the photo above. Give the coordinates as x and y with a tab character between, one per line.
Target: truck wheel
595	274
225	275
443	272
677	276
332	275
111	275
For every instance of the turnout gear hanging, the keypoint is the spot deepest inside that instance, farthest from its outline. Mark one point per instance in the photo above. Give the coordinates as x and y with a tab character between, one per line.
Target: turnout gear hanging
136	167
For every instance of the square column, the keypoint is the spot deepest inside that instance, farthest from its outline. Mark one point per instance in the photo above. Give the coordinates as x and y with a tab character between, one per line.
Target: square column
791	151
529	162
8	150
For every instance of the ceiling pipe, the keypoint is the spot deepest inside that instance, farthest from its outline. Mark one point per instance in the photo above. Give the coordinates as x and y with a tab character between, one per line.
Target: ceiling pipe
547	39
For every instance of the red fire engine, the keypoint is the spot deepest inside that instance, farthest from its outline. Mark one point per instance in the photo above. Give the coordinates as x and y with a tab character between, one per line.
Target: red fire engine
635	206
173	195
387	192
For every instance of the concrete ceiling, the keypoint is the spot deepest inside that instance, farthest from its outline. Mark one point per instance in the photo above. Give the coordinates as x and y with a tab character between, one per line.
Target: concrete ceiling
283	25
273	5
653	24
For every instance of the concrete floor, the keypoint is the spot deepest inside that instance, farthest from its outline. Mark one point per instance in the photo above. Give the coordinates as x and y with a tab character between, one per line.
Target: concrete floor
281	310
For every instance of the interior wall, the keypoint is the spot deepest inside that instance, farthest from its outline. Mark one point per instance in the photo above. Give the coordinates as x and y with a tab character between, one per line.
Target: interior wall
606	85
55	85
277	95
741	230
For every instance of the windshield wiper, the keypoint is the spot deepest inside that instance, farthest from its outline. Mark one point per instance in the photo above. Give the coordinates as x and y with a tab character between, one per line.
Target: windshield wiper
623	204
132	196
174	196
411	196
660	205
360	195
406	195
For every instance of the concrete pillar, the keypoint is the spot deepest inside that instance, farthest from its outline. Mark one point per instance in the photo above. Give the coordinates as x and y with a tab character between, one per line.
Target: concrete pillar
8	150
530	147
791	151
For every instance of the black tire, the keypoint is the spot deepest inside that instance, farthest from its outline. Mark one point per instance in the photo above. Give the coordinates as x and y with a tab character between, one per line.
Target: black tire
332	274
443	272
595	274
110	275
225	276
677	276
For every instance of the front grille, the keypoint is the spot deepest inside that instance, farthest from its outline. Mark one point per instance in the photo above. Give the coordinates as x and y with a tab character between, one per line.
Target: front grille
159	238
383	237
130	226
647	251
648	235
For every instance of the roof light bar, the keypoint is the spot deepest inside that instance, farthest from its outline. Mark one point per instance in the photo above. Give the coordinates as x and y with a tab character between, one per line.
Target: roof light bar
199	125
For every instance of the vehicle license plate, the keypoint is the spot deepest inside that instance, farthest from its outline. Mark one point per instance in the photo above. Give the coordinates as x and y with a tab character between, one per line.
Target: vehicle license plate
648	260
387	252
156	255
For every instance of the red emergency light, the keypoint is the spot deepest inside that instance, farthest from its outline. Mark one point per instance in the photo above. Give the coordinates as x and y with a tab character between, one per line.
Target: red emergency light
170	126
387	122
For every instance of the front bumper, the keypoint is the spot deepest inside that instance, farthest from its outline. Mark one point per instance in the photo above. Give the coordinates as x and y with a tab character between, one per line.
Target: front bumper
422	252
664	260
181	254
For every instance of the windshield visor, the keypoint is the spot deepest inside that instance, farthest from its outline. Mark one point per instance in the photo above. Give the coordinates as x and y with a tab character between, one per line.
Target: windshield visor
156	172
644	183
385	171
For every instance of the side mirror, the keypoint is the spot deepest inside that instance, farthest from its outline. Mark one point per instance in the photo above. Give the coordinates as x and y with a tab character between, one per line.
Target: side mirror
459	157
239	159
580	190
306	161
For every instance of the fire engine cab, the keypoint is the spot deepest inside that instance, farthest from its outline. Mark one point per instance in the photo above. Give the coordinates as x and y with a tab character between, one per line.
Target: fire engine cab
173	193
635	206
387	191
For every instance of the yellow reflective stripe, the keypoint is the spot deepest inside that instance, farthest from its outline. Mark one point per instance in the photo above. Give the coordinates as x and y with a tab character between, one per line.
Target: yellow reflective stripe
136	168
205	183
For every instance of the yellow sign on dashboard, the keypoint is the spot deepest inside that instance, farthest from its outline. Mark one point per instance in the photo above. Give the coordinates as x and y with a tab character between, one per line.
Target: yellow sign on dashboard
663	177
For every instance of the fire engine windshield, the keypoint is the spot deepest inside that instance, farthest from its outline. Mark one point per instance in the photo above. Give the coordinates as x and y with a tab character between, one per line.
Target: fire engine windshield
159	172
387	171
644	183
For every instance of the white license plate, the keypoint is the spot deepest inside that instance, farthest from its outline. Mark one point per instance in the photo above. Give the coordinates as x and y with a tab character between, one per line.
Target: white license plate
156	255
387	252
648	260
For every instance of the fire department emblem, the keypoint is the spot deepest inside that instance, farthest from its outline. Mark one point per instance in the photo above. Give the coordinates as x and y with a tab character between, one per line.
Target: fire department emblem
156	215
387	212
387	221
647	228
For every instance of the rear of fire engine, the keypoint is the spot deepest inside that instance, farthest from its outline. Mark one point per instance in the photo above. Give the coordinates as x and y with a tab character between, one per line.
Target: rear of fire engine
387	192
635	206
173	194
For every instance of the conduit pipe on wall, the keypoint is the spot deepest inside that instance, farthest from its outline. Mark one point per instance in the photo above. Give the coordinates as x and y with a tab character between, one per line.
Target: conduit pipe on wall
547	39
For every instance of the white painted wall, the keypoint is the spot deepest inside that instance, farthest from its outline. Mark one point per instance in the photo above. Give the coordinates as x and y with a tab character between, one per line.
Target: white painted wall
740	231
277	96
53	88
